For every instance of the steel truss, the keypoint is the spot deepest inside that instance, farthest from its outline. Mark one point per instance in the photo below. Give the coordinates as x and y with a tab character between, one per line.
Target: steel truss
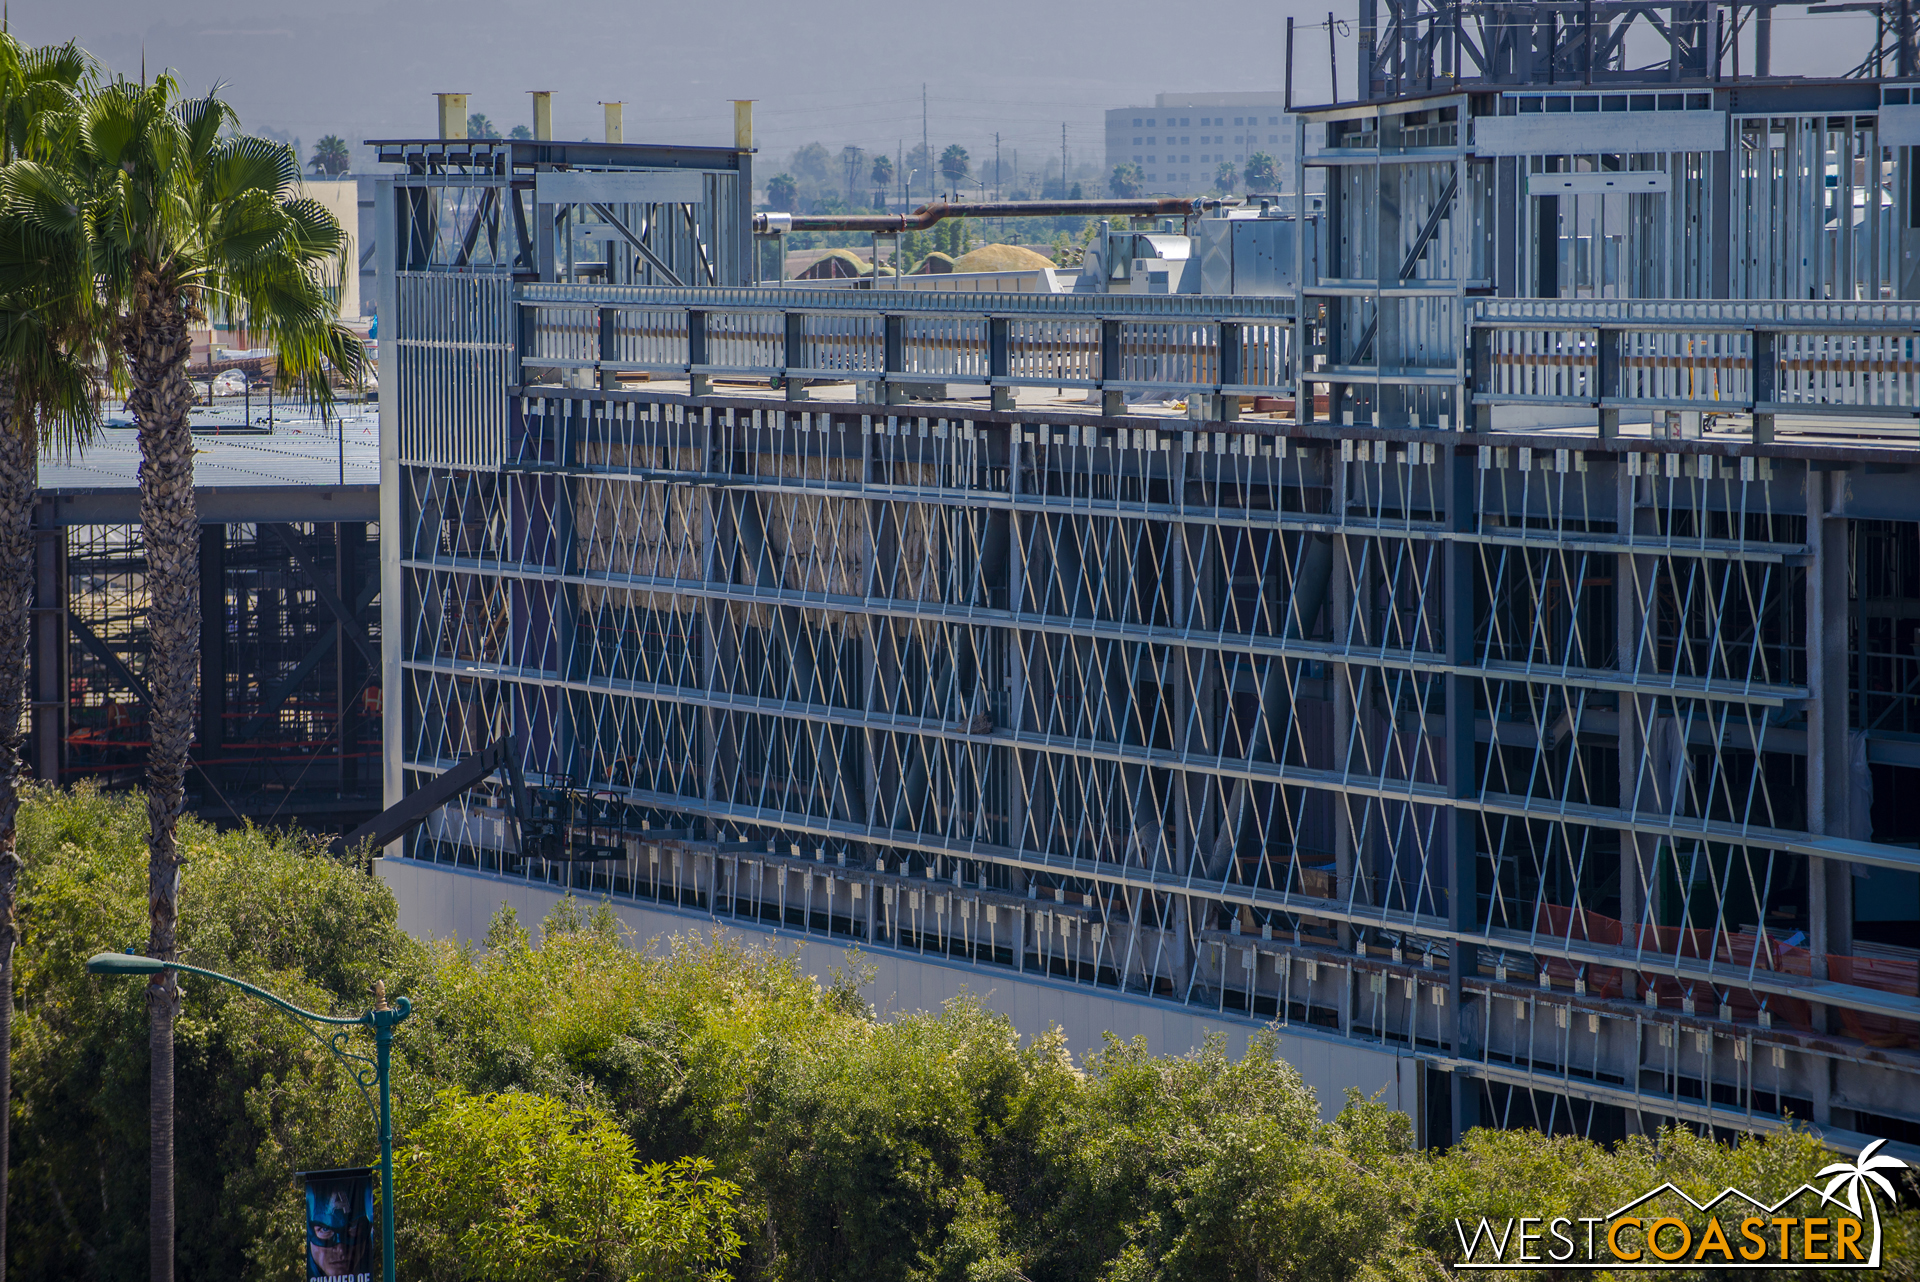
1140	706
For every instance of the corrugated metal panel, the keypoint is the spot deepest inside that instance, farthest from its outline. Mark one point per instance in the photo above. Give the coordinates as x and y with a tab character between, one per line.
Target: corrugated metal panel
455	353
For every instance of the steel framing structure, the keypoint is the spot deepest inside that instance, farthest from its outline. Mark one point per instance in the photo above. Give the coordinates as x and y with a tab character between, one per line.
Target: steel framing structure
1509	702
277	741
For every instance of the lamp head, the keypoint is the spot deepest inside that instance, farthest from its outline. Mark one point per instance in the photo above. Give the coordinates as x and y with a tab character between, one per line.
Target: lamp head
123	964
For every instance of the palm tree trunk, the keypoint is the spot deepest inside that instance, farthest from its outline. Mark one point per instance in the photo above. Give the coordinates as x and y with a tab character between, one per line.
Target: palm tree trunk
157	348
19	475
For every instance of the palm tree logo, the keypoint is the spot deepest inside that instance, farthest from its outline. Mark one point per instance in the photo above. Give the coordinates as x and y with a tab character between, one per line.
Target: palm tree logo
1853	1177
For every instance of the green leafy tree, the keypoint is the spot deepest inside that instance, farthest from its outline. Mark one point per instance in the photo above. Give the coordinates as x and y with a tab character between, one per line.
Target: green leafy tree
812	164
1127	180
1262	173
1226	178
190	219
558	1090
330	156
518	1187
271	908
478	126
782	192
47	340
520	133
955	165
882	178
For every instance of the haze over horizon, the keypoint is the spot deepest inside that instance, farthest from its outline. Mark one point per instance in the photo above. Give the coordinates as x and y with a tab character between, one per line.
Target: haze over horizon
837	72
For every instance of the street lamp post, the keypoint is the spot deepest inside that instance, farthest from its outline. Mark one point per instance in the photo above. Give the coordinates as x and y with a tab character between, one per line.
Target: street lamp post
365	1072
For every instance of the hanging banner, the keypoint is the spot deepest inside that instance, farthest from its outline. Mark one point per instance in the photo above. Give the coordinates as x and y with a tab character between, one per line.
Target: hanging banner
340	1225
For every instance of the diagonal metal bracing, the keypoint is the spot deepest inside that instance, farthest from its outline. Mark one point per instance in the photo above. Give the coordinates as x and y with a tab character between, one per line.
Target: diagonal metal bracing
1122	680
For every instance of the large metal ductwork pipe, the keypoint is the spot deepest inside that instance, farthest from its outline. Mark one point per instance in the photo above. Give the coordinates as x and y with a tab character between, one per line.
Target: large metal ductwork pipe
929	214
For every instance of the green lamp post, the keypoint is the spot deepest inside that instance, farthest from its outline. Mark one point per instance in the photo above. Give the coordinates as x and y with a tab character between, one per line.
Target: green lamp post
365	1072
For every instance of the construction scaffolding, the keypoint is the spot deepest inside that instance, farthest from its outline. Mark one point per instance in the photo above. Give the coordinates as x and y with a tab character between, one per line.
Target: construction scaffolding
1530	690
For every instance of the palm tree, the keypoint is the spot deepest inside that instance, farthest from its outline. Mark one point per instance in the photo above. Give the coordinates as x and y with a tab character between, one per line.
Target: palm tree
1127	180
190	220
782	192
1263	172
330	156
45	298
478	126
882	179
1857	1175
1226	178
954	164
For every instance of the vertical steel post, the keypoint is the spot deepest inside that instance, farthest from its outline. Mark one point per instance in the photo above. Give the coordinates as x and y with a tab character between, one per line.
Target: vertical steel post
999	363
1607	385
1231	373
1113	401
1463	875
383	1022
1766	383
793	355
1829	882
698	382
608	381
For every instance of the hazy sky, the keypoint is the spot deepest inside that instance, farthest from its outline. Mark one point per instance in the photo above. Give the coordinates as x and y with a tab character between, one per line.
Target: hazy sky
836	71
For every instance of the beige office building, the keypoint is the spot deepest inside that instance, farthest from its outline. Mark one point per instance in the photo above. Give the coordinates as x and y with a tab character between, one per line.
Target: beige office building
1180	141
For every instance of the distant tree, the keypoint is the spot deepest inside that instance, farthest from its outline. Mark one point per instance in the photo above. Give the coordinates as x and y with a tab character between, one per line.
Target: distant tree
853	159
478	126
1263	172
882	177
954	164
1127	180
812	164
782	192
521	133
1226	178
329	156
1074	193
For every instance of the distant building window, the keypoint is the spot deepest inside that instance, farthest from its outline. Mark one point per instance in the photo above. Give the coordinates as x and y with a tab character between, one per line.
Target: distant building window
1137	159
1183	122
1273	120
1183	142
1185	161
1136	142
1149	122
1136	122
1238	121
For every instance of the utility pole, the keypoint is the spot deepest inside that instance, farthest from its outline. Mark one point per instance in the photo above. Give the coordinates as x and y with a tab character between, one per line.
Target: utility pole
925	149
1063	160
996	165
900	172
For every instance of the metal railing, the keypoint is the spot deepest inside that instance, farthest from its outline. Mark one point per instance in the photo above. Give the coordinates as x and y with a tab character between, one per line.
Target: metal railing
1772	357
1177	344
